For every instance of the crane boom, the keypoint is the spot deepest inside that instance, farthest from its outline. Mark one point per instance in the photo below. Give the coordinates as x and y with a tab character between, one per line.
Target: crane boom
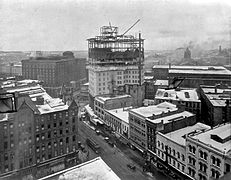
130	27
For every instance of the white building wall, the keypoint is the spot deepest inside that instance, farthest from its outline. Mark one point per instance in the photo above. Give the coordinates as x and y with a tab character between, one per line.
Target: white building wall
176	152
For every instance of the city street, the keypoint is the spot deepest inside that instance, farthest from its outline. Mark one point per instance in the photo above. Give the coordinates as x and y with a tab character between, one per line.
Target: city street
113	156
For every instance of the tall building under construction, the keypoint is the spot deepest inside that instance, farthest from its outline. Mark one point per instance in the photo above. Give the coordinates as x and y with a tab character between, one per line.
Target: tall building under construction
115	65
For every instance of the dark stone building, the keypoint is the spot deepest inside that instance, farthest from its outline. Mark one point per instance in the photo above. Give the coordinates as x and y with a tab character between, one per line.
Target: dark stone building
193	75
215	104
55	71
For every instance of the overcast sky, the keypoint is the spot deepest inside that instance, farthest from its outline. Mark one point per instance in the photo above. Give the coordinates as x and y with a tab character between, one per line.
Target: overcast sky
66	24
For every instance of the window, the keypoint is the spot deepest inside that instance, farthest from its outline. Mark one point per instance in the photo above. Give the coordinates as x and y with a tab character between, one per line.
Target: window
227	167
73	138
5	145
183	157
174	152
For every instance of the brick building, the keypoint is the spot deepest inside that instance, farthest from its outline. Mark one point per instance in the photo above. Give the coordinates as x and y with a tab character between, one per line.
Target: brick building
41	137
145	121
55	71
215	104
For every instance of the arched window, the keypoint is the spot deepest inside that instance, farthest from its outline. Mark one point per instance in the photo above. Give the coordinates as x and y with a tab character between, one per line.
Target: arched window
205	155
158	143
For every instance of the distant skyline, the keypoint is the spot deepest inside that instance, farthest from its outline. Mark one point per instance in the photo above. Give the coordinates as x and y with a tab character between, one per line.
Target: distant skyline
61	25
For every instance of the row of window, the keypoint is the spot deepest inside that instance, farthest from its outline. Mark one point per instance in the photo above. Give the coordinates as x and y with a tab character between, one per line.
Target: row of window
171	151
55	133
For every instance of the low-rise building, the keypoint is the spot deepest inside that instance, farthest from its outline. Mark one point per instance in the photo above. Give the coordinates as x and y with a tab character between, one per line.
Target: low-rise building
102	103
117	119
215	104
171	148
186	98
208	153
145	121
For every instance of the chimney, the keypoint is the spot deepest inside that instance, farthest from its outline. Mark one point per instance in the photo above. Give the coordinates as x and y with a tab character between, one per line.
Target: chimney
220	49
169	65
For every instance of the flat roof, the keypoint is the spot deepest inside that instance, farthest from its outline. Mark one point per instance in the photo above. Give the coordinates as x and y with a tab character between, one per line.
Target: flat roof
154	109
222	131
105	98
52	105
181	95
200	71
217	97
121	113
6	116
161	82
178	136
190	67
170	118
95	169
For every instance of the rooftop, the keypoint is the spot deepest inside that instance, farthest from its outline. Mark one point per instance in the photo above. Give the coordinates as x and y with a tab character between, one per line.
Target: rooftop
217	138
105	98
95	169
195	69
181	95
6	116
201	71
217	96
159	82
190	67
178	136
121	113
170	118
52	105
156	109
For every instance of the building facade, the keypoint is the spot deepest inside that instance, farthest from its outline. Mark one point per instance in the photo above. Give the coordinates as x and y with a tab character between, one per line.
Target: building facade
103	103
41	137
208	153
171	148
215	104
117	119
54	71
145	121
